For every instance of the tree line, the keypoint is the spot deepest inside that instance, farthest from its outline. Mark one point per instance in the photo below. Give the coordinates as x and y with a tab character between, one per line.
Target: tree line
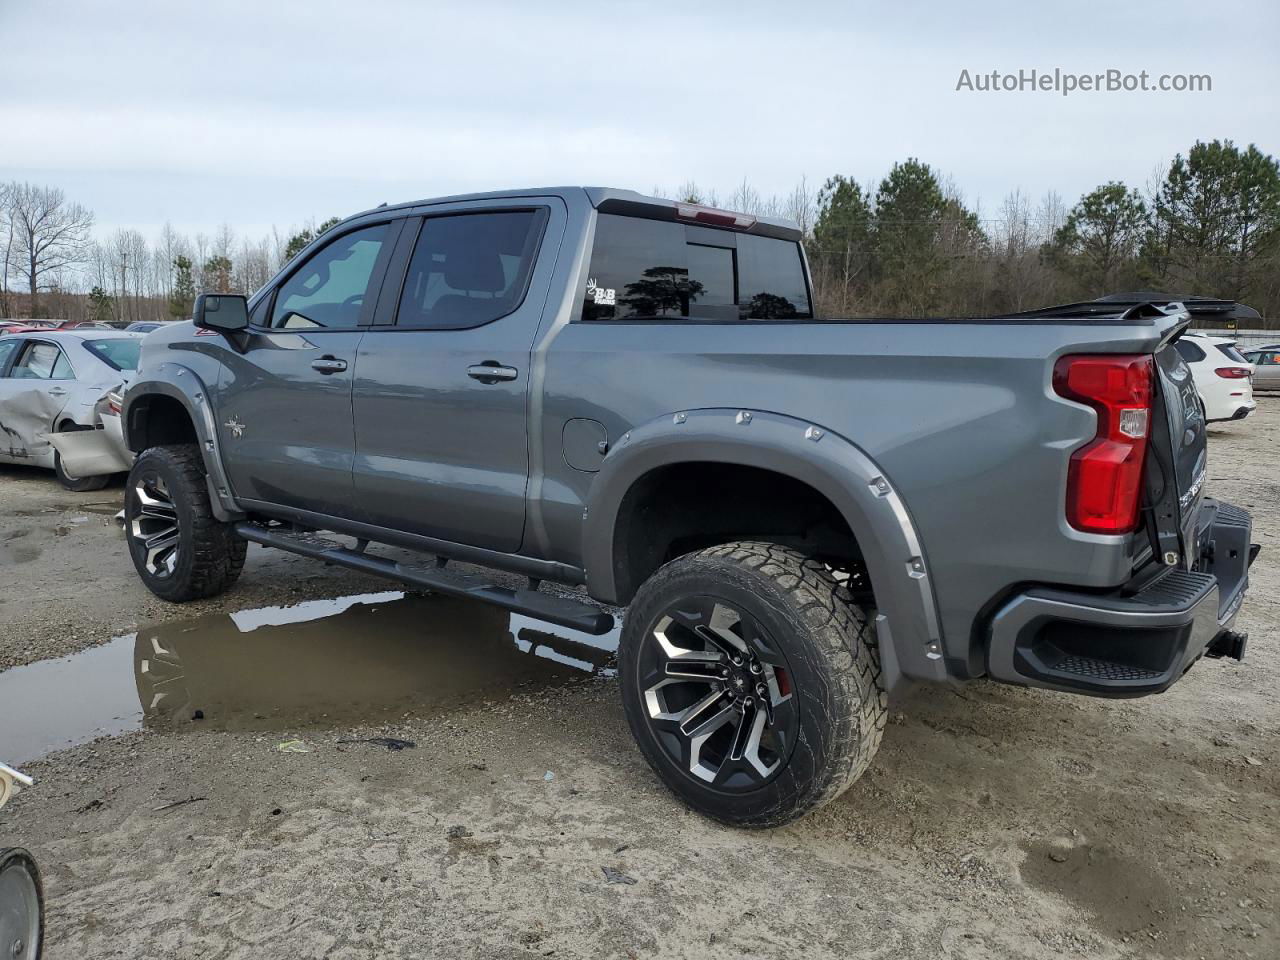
53	265
910	245
906	245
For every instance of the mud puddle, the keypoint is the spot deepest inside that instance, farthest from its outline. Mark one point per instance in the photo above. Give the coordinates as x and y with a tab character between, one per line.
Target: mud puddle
365	659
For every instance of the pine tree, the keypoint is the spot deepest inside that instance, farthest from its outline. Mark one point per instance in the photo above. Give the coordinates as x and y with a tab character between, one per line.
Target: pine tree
183	297
102	306
1217	220
1098	243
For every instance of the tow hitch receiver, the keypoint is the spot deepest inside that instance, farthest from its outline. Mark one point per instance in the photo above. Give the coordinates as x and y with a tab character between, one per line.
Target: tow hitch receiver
1229	643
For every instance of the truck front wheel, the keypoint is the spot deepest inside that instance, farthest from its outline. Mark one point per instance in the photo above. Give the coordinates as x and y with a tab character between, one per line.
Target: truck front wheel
179	548
750	682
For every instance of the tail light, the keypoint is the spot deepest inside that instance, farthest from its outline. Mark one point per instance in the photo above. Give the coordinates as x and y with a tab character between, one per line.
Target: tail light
1232	373
1104	479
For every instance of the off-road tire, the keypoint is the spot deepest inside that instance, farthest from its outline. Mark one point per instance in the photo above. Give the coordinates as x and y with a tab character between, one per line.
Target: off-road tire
829	645
77	484
210	554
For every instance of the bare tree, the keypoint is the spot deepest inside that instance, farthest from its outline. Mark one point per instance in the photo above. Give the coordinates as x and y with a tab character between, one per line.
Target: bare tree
689	192
1016	239
50	234
802	206
6	246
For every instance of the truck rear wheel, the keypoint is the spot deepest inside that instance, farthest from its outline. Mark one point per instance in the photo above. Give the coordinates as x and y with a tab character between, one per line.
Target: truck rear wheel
179	548
750	682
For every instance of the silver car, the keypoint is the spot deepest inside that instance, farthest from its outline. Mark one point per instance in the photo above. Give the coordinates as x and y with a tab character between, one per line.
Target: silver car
1266	366
56	409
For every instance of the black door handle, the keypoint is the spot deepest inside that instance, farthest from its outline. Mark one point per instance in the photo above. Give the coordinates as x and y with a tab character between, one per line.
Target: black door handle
491	372
328	364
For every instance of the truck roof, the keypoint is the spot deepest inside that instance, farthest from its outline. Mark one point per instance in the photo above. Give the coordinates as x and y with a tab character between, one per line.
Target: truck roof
627	202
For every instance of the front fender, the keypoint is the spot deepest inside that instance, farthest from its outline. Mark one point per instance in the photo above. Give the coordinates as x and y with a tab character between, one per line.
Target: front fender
907	618
181	383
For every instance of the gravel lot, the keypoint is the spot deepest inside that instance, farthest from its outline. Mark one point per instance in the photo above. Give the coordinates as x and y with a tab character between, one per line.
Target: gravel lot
996	822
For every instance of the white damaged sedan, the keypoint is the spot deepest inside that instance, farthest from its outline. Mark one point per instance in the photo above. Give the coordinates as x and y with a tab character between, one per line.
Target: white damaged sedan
59	402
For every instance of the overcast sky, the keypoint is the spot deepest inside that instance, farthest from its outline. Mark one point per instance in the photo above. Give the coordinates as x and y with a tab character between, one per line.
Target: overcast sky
283	111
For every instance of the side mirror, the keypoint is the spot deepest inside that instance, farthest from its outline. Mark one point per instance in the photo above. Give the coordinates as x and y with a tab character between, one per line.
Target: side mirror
223	312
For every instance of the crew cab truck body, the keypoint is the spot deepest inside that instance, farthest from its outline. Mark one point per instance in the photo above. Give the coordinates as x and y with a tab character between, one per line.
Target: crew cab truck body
592	387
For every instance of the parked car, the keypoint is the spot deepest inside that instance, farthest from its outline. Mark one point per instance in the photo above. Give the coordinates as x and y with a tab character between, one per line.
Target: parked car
144	326
1222	375
1266	366
55	407
634	395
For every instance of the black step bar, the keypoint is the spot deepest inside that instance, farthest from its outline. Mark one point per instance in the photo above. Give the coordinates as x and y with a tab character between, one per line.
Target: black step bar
558	610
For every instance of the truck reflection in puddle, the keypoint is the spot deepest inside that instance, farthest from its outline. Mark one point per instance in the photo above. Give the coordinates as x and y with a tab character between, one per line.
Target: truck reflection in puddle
362	659
355	660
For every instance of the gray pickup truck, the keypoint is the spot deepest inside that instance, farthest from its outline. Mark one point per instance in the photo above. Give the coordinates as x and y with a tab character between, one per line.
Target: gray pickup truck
595	388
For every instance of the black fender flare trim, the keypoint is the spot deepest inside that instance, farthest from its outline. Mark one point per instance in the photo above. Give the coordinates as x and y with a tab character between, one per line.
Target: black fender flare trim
180	383
831	464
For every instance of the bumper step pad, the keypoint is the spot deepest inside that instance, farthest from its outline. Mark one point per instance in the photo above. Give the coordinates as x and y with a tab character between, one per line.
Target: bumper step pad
1094	669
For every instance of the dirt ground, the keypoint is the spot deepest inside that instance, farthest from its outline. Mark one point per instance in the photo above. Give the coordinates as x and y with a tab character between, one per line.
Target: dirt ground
995	822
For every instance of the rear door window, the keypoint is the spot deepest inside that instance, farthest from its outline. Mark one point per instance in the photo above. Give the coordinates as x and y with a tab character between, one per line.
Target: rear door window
1190	351
43	361
653	269
1229	351
469	269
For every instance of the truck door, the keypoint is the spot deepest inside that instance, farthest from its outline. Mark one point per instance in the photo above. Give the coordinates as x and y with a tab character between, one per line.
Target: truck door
442	377
283	403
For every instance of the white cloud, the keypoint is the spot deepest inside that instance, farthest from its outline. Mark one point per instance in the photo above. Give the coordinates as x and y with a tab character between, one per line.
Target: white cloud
254	112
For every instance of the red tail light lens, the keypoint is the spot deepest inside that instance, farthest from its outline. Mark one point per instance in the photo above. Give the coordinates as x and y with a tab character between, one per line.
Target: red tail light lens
1104	480
719	218
1232	373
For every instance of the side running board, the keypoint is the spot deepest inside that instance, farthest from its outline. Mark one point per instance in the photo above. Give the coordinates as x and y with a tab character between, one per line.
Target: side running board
566	613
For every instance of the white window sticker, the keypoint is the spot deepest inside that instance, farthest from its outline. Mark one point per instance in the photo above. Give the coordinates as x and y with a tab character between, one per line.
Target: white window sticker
602	296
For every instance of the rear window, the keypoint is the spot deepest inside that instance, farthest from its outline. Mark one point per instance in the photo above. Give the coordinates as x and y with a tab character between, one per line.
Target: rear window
653	269
1190	351
1231	353
119	354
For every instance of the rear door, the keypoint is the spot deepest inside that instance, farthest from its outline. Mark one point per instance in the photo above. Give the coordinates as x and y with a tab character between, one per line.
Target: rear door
1266	371
8	350
284	401
32	396
442	377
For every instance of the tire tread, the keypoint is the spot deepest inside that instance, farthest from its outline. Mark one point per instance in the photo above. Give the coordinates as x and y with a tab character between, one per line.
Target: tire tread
218	554
854	697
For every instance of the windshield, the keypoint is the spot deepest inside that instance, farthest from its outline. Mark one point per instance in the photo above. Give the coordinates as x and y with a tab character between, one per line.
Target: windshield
119	354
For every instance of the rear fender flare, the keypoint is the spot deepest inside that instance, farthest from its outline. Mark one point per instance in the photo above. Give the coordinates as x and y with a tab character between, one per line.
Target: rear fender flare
831	464
181	383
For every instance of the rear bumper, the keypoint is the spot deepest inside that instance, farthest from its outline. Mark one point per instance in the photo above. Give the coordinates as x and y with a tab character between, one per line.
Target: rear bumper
93	453
1242	410
1130	643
